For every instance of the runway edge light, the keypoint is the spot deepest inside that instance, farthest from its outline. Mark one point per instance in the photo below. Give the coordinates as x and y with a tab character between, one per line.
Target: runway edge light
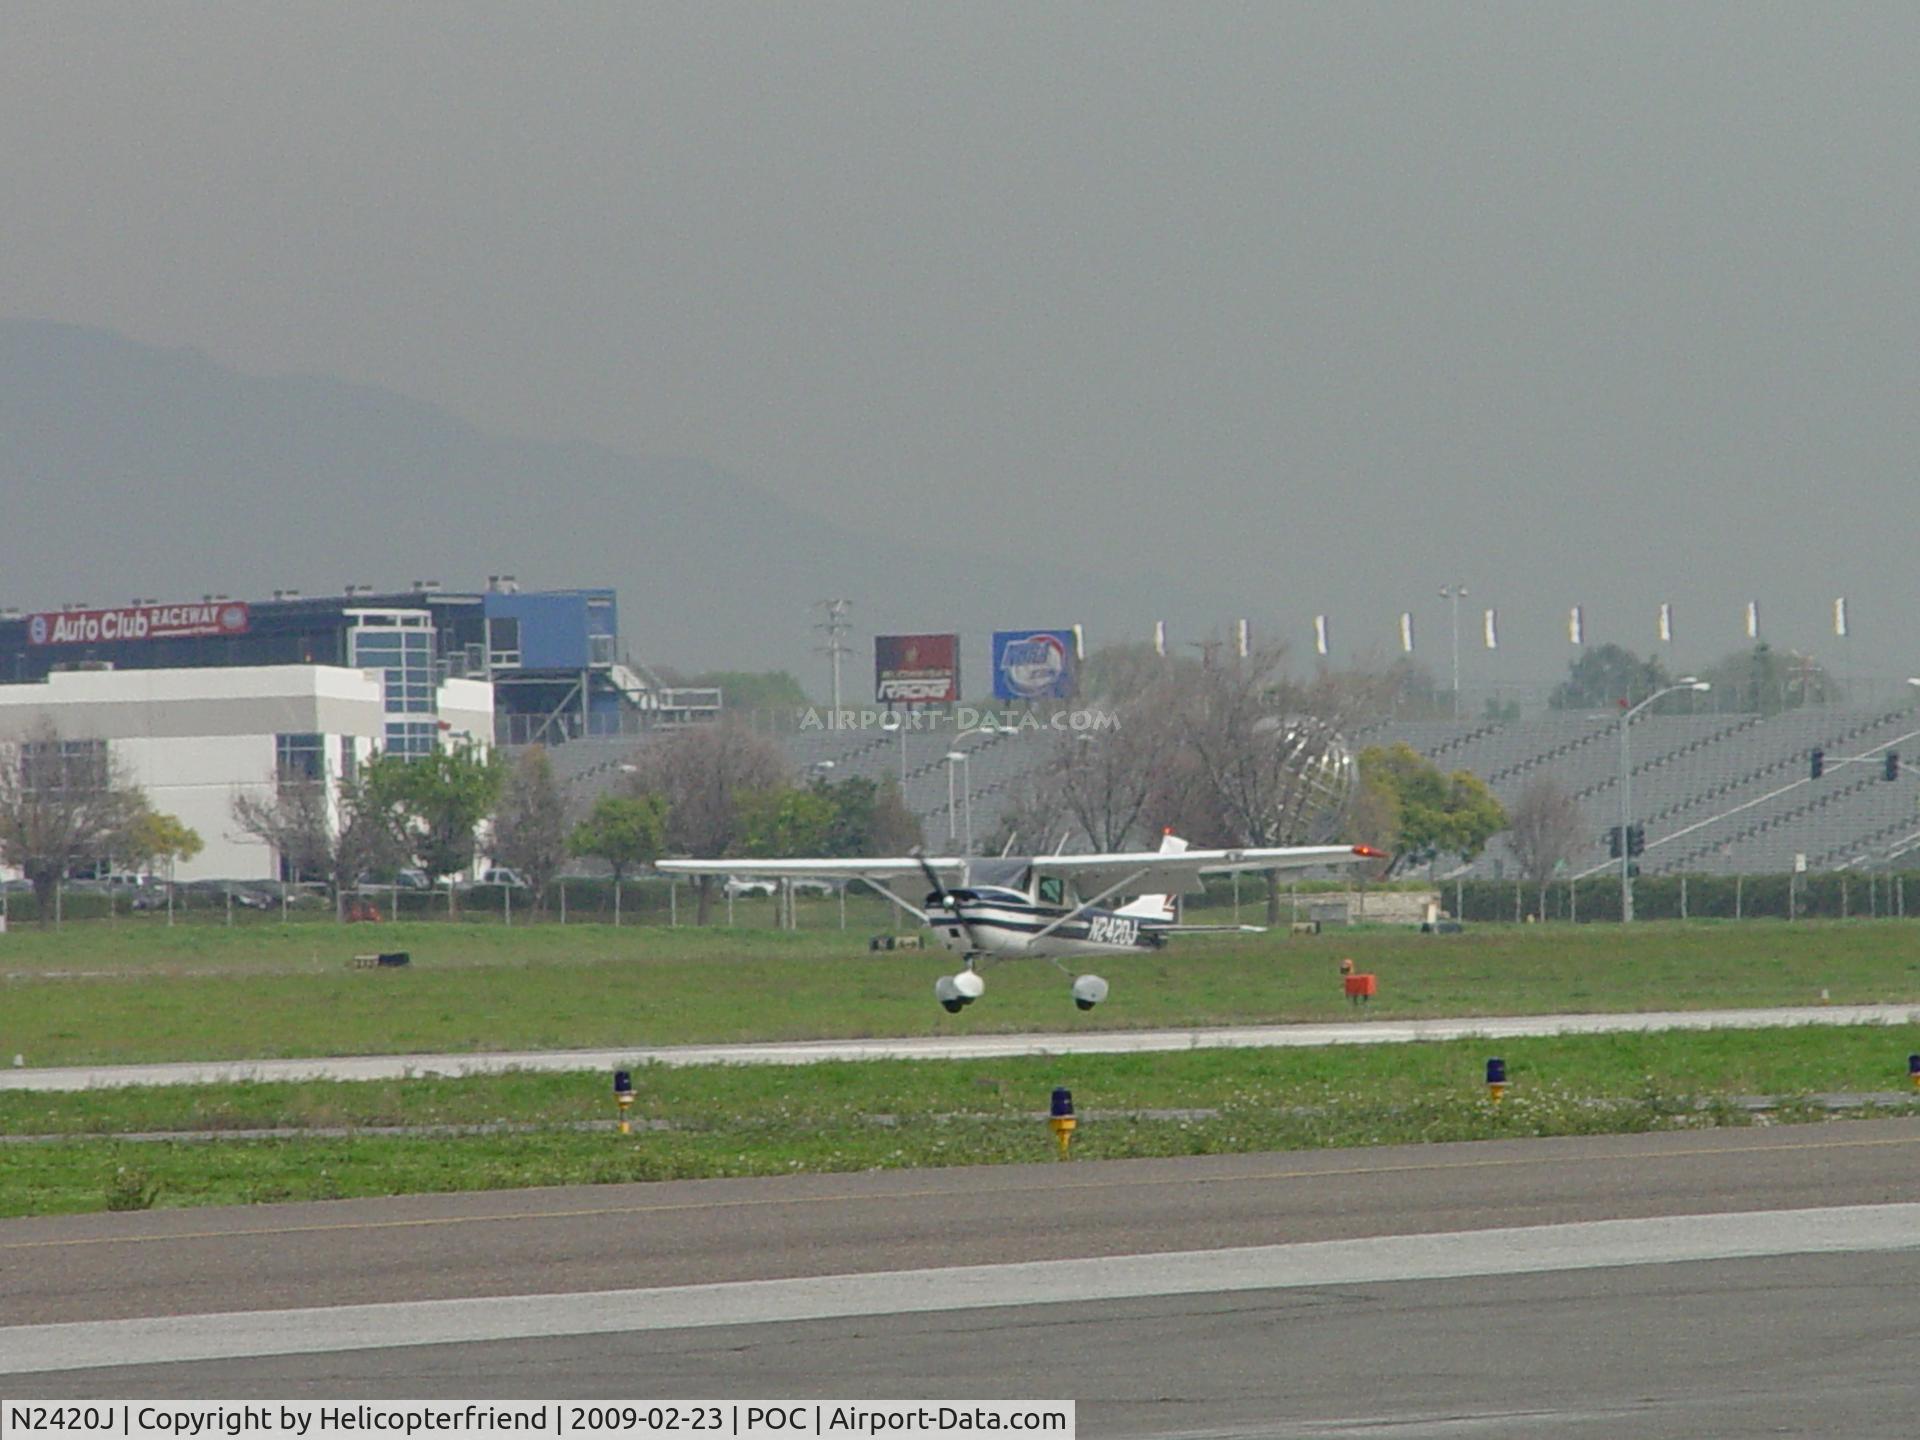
623	1097
1061	1120
1496	1079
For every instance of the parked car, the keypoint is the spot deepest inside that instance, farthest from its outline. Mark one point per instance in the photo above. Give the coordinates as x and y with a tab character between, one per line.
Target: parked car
221	891
741	885
495	877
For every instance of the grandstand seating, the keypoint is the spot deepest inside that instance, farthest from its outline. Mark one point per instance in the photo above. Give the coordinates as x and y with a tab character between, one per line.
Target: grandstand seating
1717	793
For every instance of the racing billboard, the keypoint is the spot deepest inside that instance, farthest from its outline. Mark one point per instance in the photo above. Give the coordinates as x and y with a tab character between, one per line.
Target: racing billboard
916	669
1034	664
137	622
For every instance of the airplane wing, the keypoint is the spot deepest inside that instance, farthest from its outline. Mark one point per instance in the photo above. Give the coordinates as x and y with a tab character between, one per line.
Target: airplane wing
951	869
1171	871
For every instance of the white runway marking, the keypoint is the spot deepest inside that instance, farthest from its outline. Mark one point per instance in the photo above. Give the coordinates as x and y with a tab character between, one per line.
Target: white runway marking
30	1349
968	1047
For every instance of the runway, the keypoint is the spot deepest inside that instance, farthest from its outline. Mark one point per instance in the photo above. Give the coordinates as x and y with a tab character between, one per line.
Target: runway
968	1047
1683	1283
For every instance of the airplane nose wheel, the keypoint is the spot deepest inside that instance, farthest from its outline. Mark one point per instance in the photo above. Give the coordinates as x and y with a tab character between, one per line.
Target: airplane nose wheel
956	992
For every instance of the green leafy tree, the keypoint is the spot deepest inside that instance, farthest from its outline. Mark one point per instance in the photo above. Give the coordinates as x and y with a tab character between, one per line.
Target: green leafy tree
530	824
156	838
1764	681
869	818
626	831
433	804
1608	676
1438	814
786	821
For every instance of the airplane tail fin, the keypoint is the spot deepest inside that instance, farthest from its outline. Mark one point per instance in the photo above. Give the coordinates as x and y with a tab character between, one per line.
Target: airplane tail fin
1157	907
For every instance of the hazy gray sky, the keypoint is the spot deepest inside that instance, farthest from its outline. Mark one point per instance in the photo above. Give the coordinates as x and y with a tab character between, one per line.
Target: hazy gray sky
1604	304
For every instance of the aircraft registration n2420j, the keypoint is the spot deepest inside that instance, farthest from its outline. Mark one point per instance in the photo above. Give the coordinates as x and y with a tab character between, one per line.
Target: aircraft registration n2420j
1048	906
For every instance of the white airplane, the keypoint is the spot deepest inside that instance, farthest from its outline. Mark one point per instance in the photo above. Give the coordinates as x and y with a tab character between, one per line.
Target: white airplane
1040	905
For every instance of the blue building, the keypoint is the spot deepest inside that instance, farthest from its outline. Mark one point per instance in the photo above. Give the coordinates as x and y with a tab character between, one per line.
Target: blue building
554	659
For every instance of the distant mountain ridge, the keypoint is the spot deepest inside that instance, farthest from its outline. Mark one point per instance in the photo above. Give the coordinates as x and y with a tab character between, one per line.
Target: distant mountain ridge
131	470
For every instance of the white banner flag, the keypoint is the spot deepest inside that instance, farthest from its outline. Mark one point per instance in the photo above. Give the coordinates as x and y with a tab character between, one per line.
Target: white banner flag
1493	630
1242	639
1320	634
1406	631
1840	616
1666	623
1576	627
1160	637
1753	619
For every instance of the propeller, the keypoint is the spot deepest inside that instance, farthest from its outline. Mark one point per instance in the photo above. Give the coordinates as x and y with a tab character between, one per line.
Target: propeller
945	901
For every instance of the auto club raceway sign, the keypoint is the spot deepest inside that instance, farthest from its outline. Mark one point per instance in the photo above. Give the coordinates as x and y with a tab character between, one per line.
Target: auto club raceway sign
136	622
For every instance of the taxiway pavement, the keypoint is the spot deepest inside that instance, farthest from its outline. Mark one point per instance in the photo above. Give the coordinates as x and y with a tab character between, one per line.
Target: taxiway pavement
1682	1283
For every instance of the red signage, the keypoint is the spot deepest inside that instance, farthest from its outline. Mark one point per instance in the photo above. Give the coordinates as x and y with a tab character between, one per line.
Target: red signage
137	622
916	669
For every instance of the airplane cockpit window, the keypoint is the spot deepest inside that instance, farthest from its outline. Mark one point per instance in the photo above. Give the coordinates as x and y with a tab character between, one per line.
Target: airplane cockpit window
1053	890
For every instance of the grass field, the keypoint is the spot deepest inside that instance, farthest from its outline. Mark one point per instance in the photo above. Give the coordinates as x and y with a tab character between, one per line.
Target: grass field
722	1121
109	993
100	994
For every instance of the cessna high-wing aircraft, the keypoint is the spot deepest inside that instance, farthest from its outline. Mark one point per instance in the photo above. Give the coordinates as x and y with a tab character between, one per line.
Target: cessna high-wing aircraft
1046	906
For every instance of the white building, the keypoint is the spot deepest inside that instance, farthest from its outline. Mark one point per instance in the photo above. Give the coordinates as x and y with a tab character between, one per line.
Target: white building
193	739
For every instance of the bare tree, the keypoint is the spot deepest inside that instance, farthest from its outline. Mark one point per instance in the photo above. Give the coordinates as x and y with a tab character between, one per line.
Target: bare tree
702	772
340	839
62	803
1036	818
530	825
1270	754
1545	830
1113	781
293	818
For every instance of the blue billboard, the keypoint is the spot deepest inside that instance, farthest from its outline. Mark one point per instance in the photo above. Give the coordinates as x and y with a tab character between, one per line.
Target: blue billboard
1034	665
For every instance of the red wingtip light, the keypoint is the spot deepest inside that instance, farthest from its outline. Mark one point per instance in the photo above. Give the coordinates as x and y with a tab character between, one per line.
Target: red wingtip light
1369	852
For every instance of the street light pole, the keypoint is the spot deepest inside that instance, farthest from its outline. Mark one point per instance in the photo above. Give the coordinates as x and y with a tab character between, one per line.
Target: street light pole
1455	593
966	803
1686	682
958	757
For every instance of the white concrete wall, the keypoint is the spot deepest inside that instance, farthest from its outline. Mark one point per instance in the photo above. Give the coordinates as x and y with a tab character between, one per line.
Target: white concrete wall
467	705
195	778
192	738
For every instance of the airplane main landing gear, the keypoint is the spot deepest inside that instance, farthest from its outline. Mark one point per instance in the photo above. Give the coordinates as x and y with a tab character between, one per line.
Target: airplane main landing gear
1089	991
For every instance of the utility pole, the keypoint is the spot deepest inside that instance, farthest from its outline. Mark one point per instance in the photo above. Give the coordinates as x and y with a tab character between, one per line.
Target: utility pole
837	627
